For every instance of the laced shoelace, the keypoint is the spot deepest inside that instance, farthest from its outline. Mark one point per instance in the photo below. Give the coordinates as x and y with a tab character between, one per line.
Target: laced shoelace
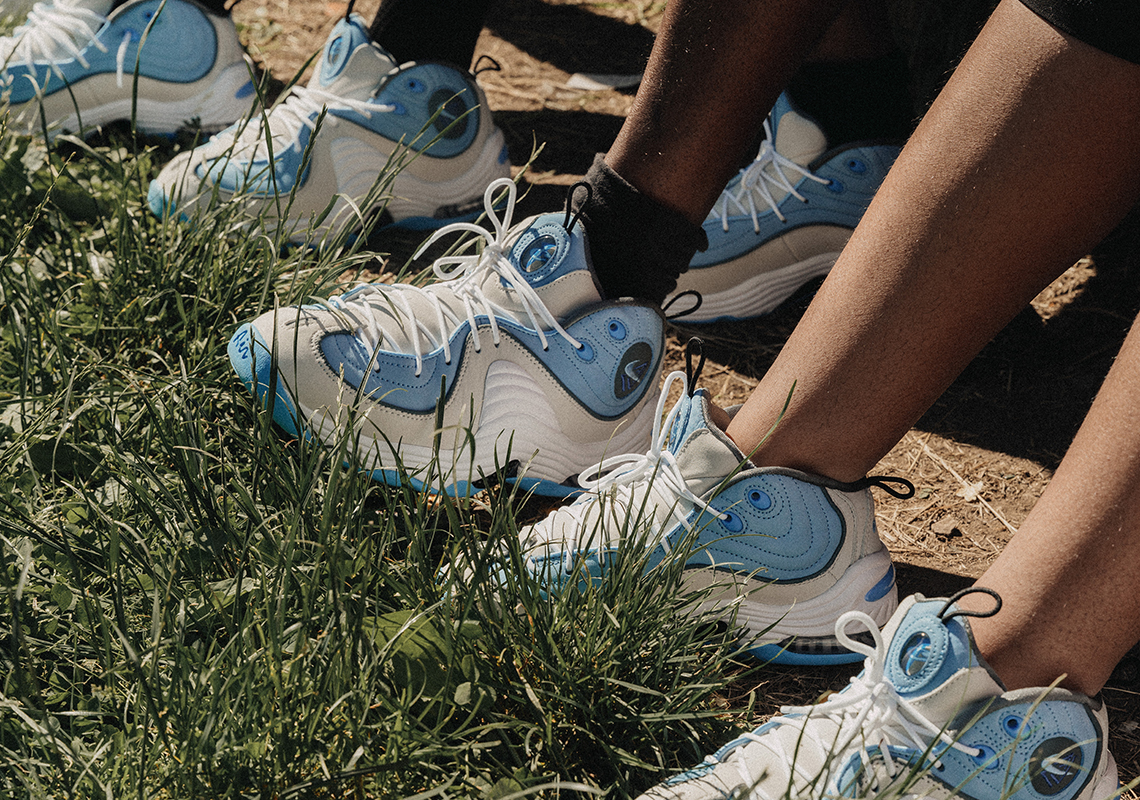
463	282
50	34
619	475
753	194
301	109
868	713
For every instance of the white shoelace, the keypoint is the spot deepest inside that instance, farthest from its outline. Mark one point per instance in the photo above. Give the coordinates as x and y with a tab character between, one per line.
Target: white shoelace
619	475
753	195
301	109
868	713
464	283
54	33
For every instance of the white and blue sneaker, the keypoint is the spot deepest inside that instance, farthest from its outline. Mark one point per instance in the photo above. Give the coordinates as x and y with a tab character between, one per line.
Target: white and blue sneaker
412	143
540	376
927	718
780	553
75	65
783	219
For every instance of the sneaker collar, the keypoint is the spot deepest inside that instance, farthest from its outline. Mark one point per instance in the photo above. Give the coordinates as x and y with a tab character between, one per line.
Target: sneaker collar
931	644
794	135
704	452
351	64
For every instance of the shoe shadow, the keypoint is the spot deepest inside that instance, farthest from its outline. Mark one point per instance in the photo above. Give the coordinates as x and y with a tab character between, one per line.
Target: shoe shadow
570	37
912	578
569	139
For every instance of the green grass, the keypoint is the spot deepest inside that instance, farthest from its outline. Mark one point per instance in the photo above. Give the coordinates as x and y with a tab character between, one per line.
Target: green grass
192	605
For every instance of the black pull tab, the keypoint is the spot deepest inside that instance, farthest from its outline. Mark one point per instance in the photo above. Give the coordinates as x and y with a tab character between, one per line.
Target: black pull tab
348	11
887	483
494	66
691	294
568	221
694	347
954	598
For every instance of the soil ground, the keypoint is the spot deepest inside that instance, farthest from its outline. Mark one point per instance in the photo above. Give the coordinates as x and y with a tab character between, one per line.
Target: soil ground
983	453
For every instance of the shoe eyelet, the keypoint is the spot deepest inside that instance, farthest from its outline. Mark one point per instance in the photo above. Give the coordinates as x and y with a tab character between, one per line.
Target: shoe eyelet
939	767
732	522
416	85
399	109
585	352
760	499
986	757
617	330
835	186
857	166
1012	724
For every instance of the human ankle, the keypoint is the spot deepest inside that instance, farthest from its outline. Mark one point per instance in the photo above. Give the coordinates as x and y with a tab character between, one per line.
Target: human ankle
638	245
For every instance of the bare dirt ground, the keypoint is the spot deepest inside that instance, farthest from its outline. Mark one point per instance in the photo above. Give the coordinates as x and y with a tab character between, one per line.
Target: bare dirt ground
979	458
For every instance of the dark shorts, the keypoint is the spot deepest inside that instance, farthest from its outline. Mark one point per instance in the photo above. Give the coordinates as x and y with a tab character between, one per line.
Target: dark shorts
1109	25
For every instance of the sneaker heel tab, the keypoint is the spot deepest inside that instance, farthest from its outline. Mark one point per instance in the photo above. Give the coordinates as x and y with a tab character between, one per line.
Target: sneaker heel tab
888	483
960	612
493	66
694	347
692	294
574	211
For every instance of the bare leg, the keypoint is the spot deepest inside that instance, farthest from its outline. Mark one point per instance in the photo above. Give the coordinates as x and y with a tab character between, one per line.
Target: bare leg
1069	576
1025	161
1028	157
715	71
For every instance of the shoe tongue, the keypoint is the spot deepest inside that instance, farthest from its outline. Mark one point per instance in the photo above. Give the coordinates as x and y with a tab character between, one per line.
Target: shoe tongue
933	661
704	452
555	263
351	65
795	136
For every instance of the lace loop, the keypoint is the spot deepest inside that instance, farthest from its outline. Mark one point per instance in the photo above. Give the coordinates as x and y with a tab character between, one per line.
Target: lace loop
753	194
52	33
618	476
304	107
868	716
464	283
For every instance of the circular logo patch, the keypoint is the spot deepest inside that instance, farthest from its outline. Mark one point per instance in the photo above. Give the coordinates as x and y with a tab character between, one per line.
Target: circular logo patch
335	51
632	369
915	654
538	253
1055	764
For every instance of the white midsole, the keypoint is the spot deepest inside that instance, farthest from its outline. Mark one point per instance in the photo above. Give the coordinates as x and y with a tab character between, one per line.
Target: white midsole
758	294
536	440
412	196
215	107
734	592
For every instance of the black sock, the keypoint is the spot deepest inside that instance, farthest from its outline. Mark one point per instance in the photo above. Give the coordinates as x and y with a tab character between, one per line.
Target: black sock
856	101
430	30
638	246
